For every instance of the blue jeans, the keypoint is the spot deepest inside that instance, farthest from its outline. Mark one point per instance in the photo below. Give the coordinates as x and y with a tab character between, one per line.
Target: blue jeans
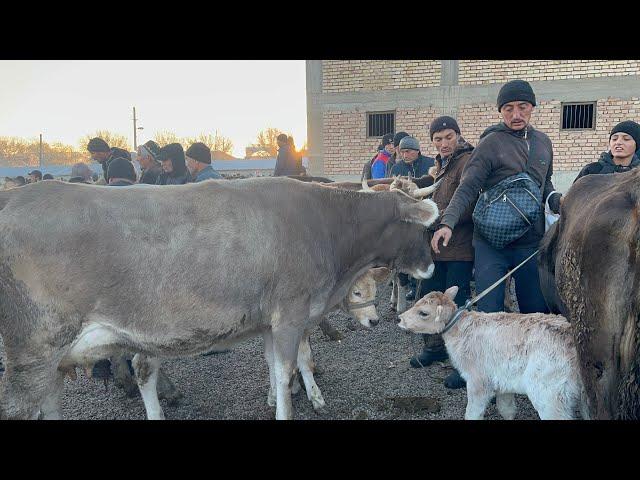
449	274
491	264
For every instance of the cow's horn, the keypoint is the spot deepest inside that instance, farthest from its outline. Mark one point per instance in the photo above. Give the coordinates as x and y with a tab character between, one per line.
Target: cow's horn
423	192
365	186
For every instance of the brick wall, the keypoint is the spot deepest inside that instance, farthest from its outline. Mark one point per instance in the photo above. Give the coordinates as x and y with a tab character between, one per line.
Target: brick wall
347	146
369	75
572	149
475	72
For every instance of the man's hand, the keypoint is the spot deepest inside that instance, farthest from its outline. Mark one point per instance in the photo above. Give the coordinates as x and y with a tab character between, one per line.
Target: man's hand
443	233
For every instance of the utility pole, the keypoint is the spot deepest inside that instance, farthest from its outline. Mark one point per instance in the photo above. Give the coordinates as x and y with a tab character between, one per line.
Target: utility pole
40	151
135	131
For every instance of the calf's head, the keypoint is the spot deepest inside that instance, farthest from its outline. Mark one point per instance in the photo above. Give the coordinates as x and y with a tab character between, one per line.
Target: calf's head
431	313
362	294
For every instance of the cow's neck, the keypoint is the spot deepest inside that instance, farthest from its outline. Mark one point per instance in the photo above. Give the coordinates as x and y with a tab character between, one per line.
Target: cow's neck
368	229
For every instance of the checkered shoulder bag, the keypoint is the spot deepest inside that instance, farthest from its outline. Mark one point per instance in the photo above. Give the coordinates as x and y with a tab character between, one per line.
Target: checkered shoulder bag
506	211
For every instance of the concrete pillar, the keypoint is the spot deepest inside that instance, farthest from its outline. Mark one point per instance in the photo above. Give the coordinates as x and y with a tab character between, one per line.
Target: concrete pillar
449	87
315	137
448	72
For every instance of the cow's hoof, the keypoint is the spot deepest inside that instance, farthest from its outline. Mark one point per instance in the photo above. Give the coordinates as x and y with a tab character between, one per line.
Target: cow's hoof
131	390
335	335
318	403
172	398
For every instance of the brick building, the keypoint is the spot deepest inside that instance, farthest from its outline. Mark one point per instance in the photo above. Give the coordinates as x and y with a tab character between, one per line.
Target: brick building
350	102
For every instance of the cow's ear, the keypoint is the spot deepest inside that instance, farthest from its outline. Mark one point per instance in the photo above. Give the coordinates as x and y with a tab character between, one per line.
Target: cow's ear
451	292
424	212
380	274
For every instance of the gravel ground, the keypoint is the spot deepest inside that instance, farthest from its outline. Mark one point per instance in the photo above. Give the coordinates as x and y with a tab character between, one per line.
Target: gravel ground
366	375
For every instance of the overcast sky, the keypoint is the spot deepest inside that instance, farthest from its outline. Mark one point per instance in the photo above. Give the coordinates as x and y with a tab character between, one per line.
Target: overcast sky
65	100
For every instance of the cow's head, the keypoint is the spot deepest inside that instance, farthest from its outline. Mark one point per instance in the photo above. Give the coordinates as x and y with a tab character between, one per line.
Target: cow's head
362	294
407	235
414	256
431	313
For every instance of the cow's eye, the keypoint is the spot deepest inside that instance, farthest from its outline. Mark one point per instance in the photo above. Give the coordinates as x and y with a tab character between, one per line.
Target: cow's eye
357	294
423	313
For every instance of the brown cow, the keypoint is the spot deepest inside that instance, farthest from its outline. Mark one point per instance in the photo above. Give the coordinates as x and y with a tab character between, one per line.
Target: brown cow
592	254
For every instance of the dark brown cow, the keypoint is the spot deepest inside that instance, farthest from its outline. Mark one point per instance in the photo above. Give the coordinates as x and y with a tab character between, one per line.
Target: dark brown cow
593	255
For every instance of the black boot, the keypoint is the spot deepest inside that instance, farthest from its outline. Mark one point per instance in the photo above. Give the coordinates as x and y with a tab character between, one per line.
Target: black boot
427	357
454	380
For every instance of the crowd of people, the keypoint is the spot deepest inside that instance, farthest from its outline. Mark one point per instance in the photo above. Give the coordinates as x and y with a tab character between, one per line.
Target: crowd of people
505	151
168	165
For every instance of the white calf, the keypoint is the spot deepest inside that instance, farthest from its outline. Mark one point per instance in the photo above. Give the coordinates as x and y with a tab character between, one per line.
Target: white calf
506	353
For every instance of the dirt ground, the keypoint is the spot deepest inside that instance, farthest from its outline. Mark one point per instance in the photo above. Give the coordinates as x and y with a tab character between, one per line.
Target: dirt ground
365	376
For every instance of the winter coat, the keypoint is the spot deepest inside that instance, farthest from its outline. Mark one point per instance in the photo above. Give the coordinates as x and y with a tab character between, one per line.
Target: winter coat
115	152
419	167
206	173
150	175
379	164
459	248
287	162
171	179
120	183
605	165
501	153
366	170
179	176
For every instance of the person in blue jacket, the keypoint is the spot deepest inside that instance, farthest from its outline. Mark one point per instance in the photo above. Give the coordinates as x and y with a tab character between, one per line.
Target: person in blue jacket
413	162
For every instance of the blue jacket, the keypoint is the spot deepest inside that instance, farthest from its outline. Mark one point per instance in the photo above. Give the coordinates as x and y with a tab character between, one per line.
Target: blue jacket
206	173
379	165
417	168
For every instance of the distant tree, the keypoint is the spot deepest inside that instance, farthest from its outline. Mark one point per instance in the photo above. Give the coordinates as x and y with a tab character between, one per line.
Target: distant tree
214	142
165	137
15	151
112	139
267	141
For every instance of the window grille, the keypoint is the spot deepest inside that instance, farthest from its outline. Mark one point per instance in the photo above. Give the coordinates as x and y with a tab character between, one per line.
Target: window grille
578	116
380	123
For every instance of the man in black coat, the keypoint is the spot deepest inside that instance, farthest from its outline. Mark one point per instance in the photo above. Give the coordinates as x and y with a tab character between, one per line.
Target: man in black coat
286	162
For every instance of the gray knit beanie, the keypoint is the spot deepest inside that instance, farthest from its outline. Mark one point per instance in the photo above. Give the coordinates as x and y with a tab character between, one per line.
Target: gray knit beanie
409	143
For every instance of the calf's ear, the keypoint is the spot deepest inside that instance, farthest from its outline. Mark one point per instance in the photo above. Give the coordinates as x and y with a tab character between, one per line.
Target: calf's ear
423	213
451	292
380	274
